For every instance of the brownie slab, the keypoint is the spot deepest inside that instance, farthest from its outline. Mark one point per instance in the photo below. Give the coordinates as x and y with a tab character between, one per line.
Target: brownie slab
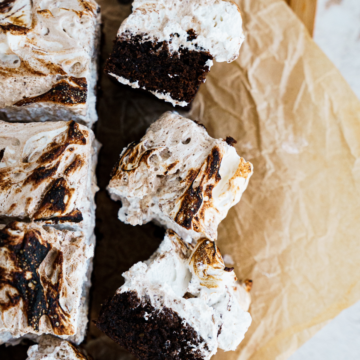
148	65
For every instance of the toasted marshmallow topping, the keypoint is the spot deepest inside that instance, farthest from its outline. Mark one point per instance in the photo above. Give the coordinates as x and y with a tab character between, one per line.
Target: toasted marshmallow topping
219	286
211	25
180	177
43	171
43	273
193	282
208	265
54	36
42	44
51	348
16	12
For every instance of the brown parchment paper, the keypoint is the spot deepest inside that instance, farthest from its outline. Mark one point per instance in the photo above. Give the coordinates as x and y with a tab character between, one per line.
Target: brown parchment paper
296	230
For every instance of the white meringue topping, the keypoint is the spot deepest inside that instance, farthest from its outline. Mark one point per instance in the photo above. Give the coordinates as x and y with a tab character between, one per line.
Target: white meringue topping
217	25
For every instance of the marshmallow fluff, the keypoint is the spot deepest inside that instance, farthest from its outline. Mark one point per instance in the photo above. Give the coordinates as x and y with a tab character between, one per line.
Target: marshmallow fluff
216	23
44	285
51	348
48	60
191	282
179	177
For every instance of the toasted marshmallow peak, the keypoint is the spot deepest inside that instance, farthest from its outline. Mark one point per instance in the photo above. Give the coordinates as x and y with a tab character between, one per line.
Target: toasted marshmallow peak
42	170
180	177
208	265
43	272
211	25
210	274
50	348
193	282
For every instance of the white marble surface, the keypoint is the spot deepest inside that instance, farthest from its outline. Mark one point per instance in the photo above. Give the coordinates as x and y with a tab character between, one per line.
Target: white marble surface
337	32
339	340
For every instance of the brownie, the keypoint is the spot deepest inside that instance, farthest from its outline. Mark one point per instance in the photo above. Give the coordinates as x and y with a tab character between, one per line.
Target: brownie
156	69
162	336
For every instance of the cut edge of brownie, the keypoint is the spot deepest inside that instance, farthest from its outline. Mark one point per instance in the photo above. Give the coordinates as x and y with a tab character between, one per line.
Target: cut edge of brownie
149	333
154	68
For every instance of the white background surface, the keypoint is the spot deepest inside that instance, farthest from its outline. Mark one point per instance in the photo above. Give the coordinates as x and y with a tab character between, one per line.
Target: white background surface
337	32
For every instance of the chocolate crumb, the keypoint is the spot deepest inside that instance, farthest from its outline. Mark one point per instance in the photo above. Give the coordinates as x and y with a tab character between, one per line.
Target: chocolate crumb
191	35
228	269
231	141
2	152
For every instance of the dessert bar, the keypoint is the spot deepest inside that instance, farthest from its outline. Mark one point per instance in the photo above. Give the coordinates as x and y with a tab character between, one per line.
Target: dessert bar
47	172
180	177
48	60
183	303
44	281
168	46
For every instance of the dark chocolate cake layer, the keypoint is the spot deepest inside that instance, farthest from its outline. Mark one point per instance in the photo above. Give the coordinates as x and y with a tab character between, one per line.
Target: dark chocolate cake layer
161	336
156	69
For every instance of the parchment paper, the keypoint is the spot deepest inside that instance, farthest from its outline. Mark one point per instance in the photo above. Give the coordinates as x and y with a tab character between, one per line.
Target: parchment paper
296	231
